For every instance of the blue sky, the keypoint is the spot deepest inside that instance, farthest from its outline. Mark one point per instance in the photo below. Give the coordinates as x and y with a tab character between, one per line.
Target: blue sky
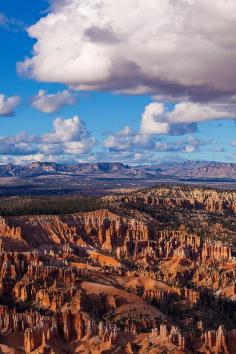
102	93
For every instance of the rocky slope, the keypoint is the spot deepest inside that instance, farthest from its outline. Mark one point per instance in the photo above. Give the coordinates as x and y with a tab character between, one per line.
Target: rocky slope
121	281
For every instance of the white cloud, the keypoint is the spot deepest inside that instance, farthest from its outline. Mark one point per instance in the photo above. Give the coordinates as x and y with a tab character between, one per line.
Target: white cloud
69	137
67	130
134	144
20	148
181	47
187	112
53	102
79	147
126	140
157	119
150	123
25	159
8	104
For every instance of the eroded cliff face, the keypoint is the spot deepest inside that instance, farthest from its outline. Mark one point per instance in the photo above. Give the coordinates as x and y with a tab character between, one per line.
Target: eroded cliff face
108	232
99	282
98	229
179	197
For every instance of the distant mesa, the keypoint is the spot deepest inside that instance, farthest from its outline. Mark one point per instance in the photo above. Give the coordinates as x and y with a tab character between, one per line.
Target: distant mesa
35	169
186	170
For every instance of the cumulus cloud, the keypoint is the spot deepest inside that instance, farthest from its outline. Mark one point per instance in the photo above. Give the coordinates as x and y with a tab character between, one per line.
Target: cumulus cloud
185	146
69	137
182	119
67	130
8	148
53	102
131	145
174	48
127	139
128	157
25	159
150	123
8	104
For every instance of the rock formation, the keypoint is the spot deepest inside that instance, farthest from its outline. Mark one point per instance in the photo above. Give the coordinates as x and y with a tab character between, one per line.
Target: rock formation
106	282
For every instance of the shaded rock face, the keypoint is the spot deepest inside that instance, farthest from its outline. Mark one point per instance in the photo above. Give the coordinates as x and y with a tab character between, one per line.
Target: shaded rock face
25	279
220	341
100	282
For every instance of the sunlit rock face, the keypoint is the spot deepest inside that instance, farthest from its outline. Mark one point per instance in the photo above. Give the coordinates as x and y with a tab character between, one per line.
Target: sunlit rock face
124	280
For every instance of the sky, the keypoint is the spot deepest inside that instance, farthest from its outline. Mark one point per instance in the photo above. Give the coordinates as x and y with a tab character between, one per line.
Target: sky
130	81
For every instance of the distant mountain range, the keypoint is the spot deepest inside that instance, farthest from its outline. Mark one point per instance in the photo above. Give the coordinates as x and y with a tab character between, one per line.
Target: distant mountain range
173	170
193	170
35	169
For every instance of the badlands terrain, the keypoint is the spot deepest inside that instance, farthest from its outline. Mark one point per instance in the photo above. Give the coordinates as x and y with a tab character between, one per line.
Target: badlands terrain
149	271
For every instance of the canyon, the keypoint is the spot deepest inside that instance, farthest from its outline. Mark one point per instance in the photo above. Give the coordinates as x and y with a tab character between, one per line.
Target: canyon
153	271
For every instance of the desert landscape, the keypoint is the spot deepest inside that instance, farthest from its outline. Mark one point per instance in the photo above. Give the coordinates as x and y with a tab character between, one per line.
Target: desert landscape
118	177
149	271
